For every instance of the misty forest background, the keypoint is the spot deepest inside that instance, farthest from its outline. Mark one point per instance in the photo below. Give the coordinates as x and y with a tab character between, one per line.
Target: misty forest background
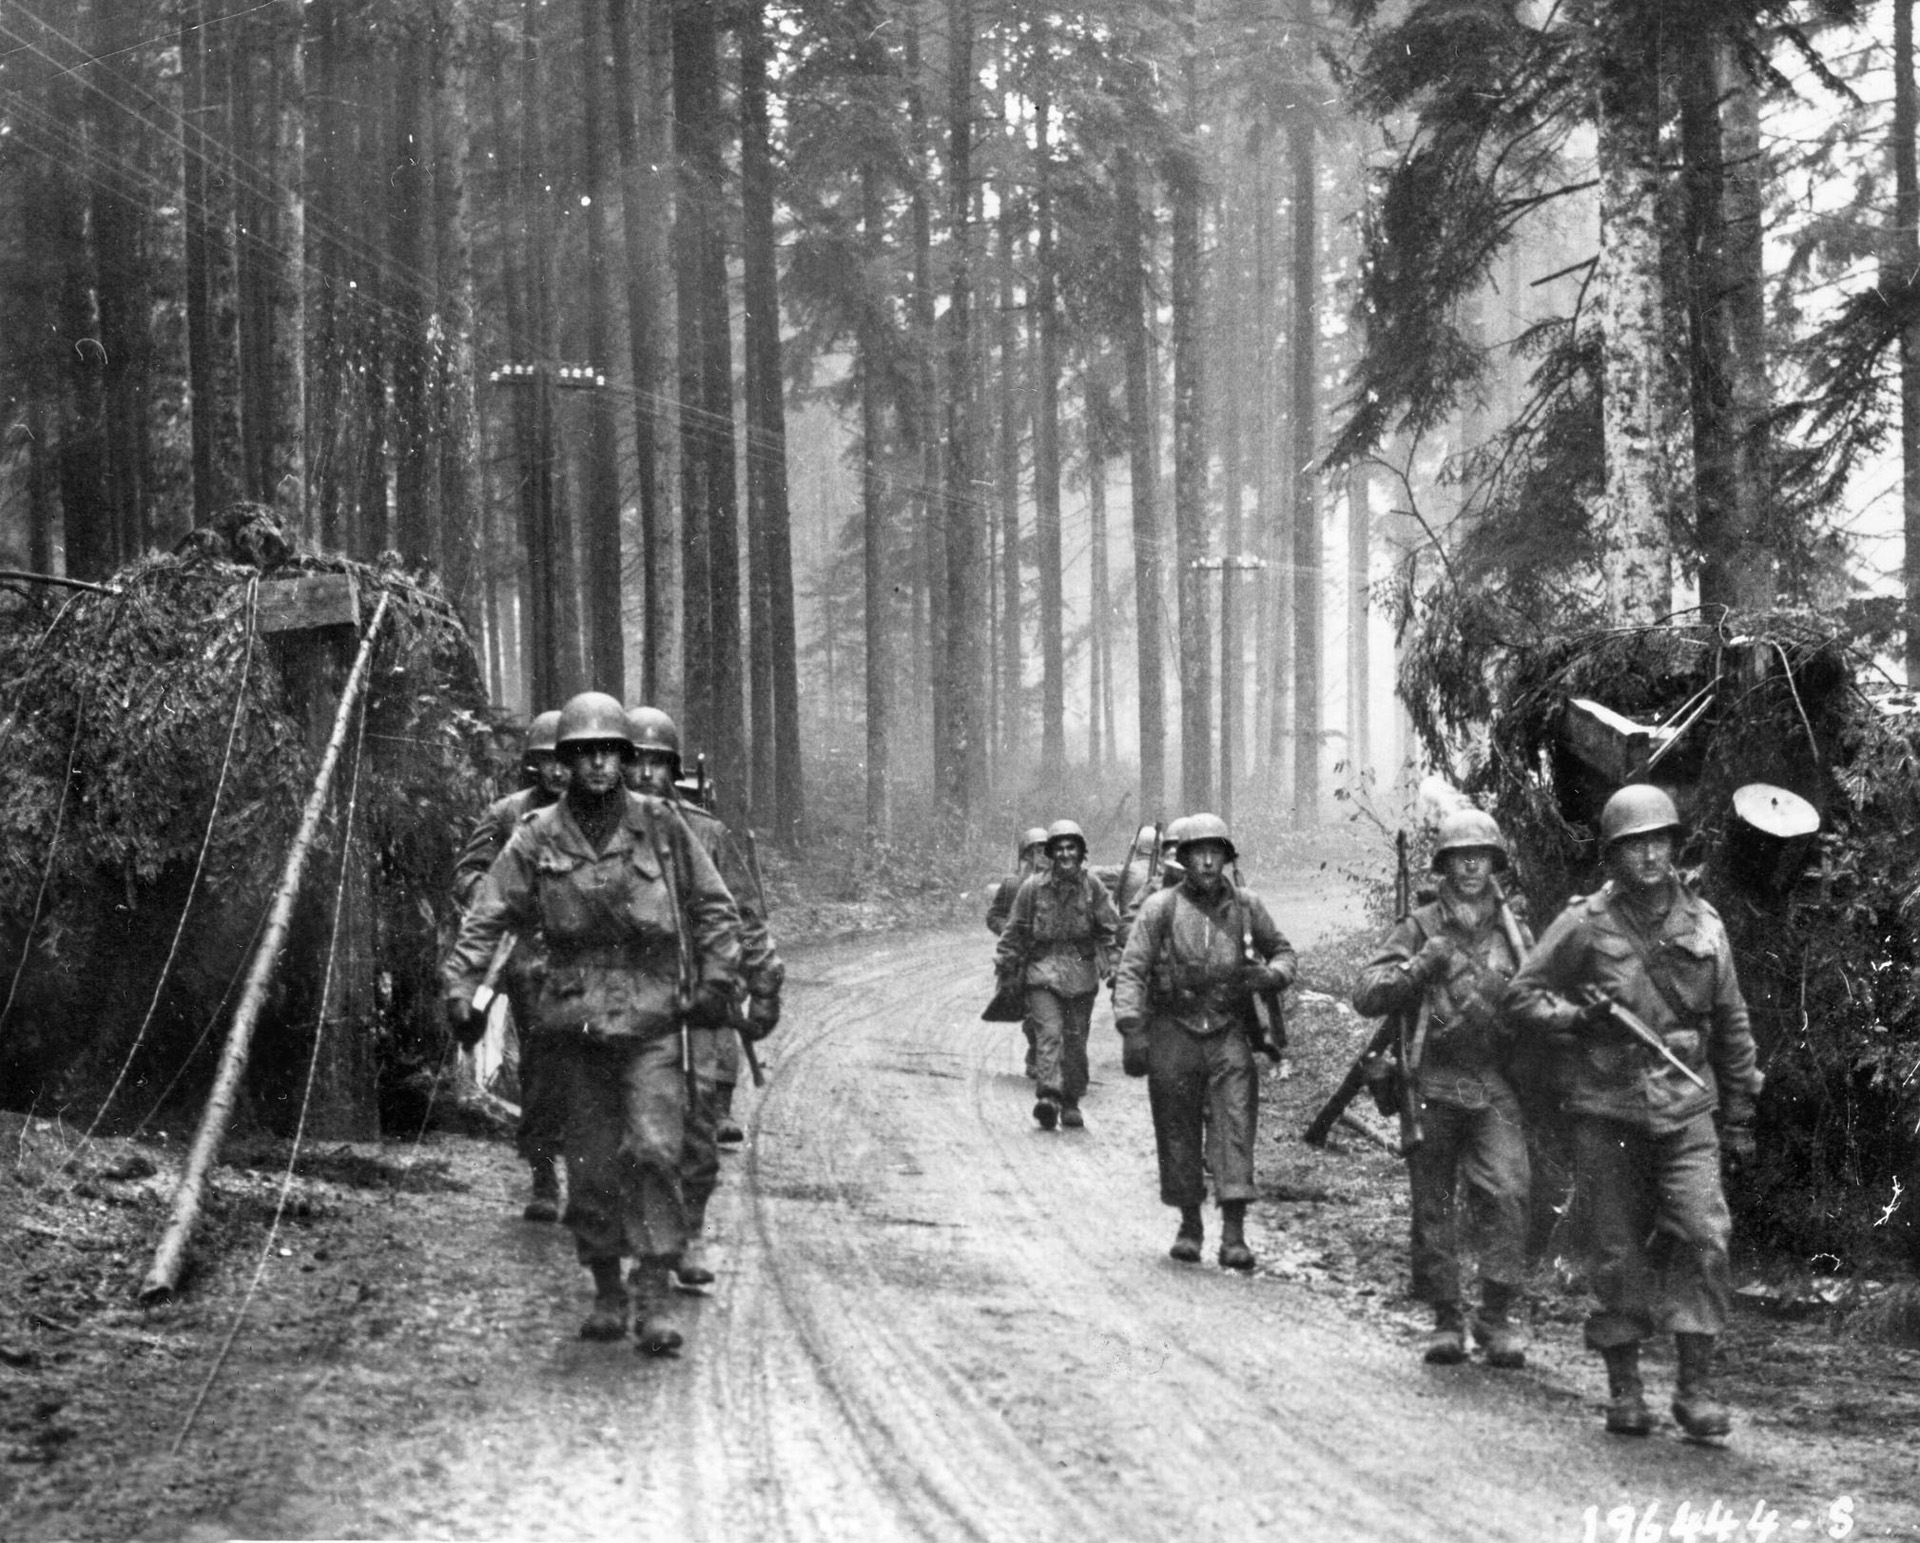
933	402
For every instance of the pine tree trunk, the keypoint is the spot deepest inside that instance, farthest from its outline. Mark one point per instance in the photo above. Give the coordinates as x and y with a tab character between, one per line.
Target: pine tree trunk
1303	456
1149	618
929	622
1012	397
1726	318
119	233
1046	442
1640	482
287	414
762	392
1189	443
600	519
411	297
965	770
643	191
873	509
1099	659
199	310
1359	622
547	654
1899	267
460	448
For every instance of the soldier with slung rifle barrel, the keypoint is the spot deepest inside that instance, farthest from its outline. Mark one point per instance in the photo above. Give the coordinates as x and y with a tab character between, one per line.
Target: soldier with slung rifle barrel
1647	1150
1447	964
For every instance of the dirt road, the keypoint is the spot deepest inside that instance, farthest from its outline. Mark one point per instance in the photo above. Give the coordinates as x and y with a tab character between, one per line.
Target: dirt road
933	1321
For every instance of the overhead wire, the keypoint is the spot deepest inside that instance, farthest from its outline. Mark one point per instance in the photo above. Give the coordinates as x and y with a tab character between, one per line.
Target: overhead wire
344	829
199	864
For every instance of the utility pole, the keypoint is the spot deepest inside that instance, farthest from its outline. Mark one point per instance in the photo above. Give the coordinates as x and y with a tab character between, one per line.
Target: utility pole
544	614
1226	567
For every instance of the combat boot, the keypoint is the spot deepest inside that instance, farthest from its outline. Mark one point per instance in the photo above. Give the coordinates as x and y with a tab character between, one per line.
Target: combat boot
1447	1344
1070	1115
1234	1253
1046	1109
608	1320
654	1327
726	1130
1494	1328
544	1205
691	1271
1695	1405
1192	1233
1627	1412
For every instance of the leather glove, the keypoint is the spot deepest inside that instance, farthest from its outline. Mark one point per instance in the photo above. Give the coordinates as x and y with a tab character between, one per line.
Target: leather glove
1263	977
469	1027
712	1005
1737	1147
763	1016
1432	960
1133	1054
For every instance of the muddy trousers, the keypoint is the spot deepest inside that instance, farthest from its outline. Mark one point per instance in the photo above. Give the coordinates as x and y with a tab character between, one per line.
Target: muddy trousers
1486	1149
1206	1100
1657	1229
700	1153
541	1137
1060	1028
626	1136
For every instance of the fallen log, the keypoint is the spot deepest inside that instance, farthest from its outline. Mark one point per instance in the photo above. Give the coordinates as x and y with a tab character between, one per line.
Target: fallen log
170	1256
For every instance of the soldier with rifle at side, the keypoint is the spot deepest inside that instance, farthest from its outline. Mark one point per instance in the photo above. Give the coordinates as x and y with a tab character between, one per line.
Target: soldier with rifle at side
1030	857
714	1047
1636	987
541	1137
641	936
1181	1005
1446	966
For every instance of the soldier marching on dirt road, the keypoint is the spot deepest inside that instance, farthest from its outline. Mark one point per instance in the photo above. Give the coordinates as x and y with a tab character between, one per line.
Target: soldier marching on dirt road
1059	942
655	769
1030	857
541	1137
641	934
1646	957
1181	1003
1449	962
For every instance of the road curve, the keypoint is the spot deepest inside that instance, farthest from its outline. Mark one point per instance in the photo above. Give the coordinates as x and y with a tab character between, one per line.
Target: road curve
934	1321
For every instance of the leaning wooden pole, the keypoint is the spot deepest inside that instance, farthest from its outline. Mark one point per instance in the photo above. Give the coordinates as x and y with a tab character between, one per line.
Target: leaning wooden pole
170	1256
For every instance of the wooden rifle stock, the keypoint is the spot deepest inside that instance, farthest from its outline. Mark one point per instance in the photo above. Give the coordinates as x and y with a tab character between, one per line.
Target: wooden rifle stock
1396	1033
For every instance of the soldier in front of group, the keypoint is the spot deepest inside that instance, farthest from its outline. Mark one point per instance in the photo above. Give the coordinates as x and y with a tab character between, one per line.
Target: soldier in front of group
541	1137
1455	956
1647	1153
1030	857
1181	1002
640	933
715	1047
1058	943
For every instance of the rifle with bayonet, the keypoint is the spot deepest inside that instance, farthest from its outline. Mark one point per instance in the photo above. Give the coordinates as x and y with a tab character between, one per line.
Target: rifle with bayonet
1398	1035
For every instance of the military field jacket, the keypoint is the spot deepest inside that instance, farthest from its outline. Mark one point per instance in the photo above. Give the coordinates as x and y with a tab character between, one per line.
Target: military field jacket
1185	957
489	837
609	918
760	965
1060	933
1467	1032
1700	1014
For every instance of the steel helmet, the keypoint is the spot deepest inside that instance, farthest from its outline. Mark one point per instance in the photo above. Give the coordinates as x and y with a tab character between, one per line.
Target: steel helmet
1466	830
651	729
592	717
1143	841
543	733
1205	827
1033	836
1635	810
1065	830
1175	833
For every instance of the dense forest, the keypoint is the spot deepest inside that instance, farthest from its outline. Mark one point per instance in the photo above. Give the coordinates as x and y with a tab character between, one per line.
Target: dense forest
921	398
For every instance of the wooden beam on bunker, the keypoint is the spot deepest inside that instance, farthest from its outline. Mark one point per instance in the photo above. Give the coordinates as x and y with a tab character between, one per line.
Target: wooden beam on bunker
1608	742
310	601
